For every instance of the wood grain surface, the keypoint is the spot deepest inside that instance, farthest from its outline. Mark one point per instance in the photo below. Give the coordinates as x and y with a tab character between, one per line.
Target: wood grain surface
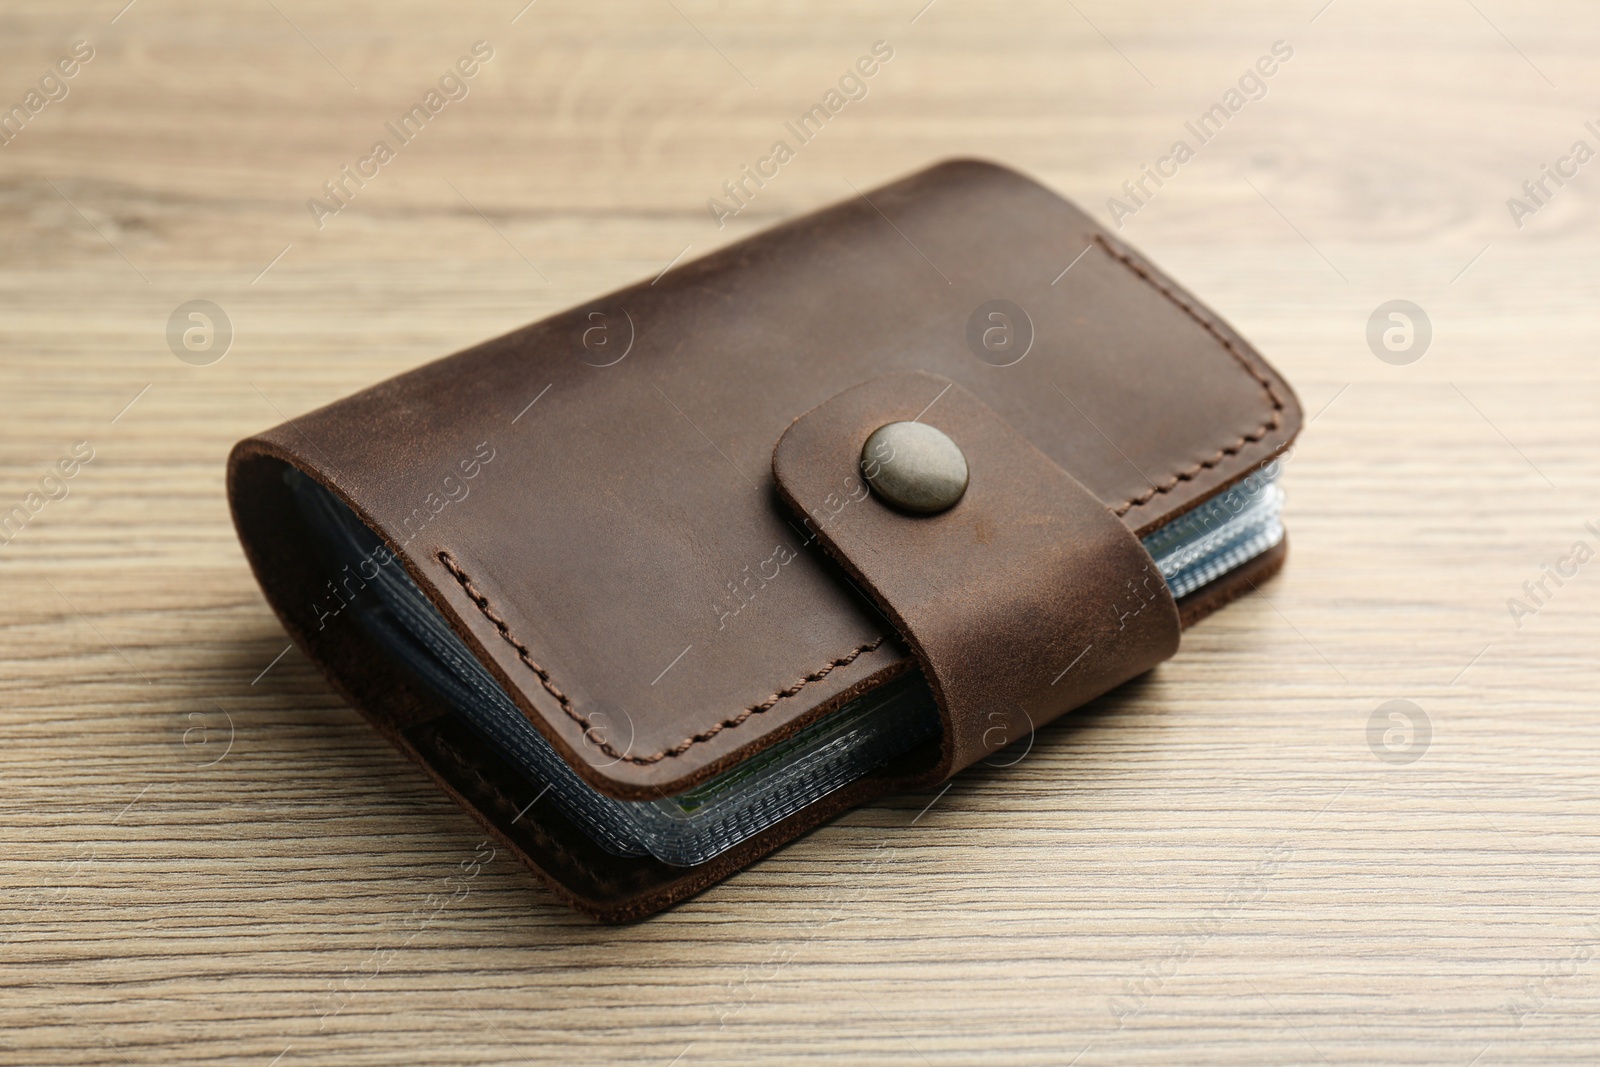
205	857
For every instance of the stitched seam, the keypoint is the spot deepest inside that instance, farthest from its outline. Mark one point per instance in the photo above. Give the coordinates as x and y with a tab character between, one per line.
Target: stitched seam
1272	423
681	747
544	837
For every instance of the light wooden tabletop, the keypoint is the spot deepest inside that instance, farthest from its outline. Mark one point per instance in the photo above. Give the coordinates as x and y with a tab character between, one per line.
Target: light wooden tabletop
209	858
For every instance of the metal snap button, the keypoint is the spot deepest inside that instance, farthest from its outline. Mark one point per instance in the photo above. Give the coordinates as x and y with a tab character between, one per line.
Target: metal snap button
914	466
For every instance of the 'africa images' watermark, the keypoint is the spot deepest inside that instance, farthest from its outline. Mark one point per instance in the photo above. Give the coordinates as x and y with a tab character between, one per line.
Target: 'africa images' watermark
1537	193
1537	592
52	88
456	887
1137	992
1399	732
342	593
1252	85
199	332
452	86
852	85
1539	993
1399	332
51	486
999	333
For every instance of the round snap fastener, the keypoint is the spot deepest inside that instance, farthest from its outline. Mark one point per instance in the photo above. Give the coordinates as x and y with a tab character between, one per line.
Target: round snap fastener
914	466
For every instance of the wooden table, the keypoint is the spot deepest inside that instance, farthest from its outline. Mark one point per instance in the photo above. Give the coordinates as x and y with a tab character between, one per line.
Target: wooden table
209	858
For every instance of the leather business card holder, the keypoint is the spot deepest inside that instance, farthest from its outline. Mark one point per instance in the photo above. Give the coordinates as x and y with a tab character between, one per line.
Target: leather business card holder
649	519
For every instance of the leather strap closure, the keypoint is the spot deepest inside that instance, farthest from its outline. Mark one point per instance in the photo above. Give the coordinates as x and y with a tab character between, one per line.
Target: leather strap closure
1023	600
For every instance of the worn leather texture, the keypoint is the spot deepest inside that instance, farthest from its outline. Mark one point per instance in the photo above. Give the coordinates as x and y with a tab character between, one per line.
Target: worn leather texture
1025	599
589	499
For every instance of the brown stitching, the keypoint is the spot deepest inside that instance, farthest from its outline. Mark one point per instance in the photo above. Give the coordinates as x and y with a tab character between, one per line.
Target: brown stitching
822	672
1250	368
566	703
545	838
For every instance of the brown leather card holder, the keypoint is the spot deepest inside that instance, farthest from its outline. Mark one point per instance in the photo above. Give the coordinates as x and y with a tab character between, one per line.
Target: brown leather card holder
649	522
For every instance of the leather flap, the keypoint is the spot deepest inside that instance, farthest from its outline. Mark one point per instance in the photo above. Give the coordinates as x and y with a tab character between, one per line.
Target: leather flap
1023	600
